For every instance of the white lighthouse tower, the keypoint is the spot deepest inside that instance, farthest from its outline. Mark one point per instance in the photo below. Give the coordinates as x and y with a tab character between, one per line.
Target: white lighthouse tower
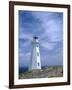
35	55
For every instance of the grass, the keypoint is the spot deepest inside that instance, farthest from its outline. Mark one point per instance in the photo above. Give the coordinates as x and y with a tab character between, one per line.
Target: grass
45	72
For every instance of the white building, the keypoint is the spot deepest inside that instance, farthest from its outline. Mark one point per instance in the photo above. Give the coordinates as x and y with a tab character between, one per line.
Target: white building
35	55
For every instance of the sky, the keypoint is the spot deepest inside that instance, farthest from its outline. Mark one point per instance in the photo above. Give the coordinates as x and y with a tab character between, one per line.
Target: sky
48	27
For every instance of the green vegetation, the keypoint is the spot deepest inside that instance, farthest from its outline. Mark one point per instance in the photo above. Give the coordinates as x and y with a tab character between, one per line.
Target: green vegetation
45	72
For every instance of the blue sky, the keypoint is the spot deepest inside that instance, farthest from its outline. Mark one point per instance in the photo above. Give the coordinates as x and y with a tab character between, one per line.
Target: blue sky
48	27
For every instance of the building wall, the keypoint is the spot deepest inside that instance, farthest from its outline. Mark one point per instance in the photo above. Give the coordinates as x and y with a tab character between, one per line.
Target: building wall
35	56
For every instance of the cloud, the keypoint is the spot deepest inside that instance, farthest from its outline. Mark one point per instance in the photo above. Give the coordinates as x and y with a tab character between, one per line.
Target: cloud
48	26
52	25
24	59
49	59
48	46
26	36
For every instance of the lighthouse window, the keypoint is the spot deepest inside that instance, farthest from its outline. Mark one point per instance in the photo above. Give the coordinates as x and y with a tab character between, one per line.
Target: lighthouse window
37	54
37	45
38	64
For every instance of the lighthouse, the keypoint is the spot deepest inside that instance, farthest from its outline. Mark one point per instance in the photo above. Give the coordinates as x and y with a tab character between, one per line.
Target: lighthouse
35	62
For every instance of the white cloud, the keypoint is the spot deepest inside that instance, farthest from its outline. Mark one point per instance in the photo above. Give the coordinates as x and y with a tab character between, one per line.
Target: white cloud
52	30
52	33
27	36
52	26
24	59
56	59
48	46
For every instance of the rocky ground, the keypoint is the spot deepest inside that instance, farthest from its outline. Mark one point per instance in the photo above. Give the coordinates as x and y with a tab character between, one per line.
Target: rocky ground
46	72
